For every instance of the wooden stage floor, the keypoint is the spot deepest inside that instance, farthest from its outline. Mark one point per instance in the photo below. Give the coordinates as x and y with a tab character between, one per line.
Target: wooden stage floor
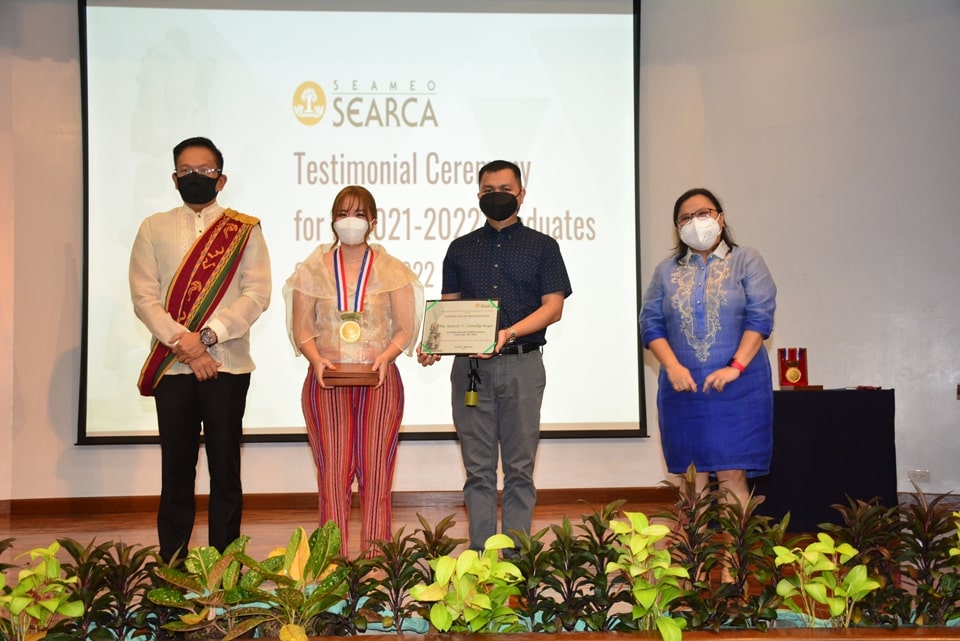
269	527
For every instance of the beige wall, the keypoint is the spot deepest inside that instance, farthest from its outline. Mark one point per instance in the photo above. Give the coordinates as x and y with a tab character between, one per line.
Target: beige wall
6	255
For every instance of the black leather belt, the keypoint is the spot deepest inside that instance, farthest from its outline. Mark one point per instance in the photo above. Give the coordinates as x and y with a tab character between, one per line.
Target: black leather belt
518	348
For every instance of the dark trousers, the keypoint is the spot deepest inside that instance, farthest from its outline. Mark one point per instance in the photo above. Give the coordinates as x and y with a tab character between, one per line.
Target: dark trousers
184	404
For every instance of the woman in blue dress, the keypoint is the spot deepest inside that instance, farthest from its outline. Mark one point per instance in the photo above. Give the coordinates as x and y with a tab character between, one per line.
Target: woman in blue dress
705	316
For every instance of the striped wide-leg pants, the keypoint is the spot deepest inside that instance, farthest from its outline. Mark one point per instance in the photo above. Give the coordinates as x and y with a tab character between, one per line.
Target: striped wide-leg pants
353	435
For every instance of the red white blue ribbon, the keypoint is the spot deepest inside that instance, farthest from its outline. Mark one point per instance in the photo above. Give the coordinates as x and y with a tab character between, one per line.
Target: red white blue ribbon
338	276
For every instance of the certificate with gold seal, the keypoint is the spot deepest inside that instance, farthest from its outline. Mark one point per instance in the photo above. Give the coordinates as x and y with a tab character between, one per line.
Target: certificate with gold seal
460	327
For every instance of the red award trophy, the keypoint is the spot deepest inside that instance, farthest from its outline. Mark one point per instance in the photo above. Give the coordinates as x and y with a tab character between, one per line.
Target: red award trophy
793	366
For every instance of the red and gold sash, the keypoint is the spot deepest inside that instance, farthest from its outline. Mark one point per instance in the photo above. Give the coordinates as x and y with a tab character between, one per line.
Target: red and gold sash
198	286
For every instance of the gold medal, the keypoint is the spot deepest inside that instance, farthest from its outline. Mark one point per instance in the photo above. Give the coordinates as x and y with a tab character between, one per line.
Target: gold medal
350	331
350	327
792	374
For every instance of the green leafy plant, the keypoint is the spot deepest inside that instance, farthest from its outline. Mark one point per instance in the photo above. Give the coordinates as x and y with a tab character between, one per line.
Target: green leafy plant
955	551
113	580
877	533
5	545
709	526
41	596
364	601
654	578
432	542
929	569
533	561
378	586
566	580
694	520
604	592
566	577
820	576
470	593
212	590
750	539
565	586
307	582
402	562
5	631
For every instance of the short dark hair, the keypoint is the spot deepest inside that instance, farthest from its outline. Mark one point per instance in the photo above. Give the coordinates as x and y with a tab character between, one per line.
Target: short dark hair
499	165
726	234
198	141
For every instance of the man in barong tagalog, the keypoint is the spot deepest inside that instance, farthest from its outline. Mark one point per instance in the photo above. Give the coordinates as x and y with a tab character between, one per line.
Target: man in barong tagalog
199	278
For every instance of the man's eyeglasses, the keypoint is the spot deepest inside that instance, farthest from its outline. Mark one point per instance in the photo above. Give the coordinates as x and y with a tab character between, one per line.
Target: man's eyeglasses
700	214
209	172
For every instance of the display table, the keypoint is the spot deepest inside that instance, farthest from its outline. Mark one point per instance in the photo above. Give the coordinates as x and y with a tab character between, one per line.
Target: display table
828	445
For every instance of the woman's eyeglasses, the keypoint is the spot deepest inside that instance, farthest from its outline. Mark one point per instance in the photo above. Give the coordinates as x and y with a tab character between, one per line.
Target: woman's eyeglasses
700	214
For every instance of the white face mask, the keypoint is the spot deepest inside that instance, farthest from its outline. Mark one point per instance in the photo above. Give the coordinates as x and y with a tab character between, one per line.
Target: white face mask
700	233
351	230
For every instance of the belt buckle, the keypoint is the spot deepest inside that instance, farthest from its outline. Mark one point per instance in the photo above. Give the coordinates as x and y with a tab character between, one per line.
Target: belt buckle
519	348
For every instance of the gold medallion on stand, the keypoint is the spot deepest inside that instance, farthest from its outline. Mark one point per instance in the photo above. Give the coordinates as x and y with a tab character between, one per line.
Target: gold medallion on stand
793	367
350	327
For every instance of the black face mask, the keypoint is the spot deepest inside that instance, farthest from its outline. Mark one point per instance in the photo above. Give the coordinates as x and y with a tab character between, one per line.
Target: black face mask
196	189
498	205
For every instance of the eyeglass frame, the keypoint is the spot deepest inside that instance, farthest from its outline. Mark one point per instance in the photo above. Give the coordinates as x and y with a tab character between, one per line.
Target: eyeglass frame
703	212
206	172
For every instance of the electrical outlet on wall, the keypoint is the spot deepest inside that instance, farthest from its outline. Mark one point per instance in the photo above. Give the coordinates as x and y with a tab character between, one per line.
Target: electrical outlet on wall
918	476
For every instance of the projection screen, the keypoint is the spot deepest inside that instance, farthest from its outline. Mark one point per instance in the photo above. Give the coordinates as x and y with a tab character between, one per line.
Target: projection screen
409	103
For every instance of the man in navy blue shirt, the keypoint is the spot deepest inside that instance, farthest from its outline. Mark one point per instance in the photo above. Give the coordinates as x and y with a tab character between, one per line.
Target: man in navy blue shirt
523	269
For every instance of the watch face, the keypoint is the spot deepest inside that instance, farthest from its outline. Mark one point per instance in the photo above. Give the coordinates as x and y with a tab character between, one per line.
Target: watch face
208	337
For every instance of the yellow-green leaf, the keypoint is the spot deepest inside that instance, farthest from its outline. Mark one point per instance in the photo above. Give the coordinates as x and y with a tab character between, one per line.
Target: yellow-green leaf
71	609
432	592
445	568
440	616
467	560
498	542
670	629
291	632
298	553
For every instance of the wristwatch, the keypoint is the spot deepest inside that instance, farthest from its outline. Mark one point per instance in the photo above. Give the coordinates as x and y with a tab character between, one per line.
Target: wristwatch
208	337
513	336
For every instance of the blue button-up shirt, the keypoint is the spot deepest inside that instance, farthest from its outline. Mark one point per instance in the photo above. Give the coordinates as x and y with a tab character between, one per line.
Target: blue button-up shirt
517	266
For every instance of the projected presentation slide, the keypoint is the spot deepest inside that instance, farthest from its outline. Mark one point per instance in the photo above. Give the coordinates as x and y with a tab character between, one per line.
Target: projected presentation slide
407	104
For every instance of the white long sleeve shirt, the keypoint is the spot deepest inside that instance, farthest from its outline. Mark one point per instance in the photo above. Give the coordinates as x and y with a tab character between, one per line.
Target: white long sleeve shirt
161	244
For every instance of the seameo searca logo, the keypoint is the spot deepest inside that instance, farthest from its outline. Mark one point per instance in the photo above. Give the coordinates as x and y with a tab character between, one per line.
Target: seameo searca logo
309	103
361	104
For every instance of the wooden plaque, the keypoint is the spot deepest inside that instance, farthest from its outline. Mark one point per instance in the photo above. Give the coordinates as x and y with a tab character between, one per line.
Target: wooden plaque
351	374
